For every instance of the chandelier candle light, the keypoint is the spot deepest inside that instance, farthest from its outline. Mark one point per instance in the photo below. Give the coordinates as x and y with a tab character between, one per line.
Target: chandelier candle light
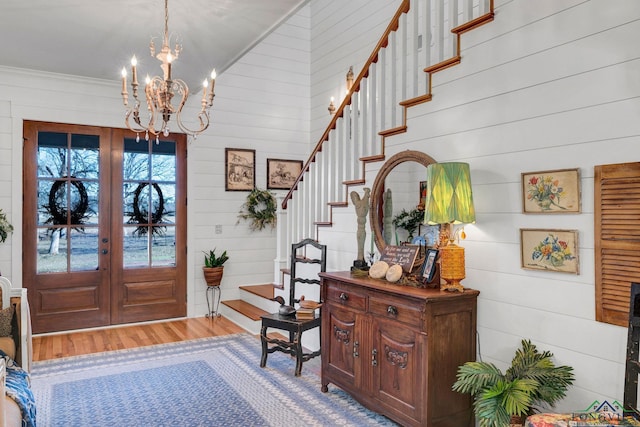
160	91
450	201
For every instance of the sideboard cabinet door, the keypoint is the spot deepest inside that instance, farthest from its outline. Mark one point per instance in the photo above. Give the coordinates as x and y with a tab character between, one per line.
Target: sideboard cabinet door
398	372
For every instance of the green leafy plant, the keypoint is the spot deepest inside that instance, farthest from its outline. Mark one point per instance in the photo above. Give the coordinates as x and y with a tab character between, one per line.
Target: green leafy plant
5	227
409	220
531	383
212	260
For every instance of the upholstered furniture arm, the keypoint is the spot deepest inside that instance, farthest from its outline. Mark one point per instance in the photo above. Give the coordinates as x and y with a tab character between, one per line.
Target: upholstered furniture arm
24	350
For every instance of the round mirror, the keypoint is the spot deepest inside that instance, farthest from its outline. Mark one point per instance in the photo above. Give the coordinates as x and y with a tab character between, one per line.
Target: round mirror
397	188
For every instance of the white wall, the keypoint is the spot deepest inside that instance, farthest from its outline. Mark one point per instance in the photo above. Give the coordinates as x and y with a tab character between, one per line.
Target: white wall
550	84
262	103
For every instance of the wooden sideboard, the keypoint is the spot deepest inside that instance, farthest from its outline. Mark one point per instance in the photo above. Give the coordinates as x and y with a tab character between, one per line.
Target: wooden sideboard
396	349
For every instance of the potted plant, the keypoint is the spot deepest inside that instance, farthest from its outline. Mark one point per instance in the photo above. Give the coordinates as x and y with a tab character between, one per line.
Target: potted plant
409	221
531	383
5	227
213	267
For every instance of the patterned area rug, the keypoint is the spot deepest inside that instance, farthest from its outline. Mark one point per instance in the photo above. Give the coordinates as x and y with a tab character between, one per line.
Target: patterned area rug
207	382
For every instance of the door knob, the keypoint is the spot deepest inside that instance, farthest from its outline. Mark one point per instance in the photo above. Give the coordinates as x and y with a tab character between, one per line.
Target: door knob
105	251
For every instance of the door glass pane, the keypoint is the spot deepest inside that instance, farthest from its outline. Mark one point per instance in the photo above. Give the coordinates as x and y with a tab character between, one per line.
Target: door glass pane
164	161
164	248
52	250
135	160
135	248
52	154
168	192
84	249
85	156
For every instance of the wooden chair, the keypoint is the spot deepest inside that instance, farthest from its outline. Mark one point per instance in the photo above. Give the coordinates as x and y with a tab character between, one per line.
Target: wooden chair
290	323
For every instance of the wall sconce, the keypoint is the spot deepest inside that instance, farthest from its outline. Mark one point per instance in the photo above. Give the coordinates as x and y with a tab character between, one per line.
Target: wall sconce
450	201
332	108
349	78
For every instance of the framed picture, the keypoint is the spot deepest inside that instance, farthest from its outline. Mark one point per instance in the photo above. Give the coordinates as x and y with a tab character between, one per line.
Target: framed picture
555	191
423	195
281	174
549	250
240	166
429	266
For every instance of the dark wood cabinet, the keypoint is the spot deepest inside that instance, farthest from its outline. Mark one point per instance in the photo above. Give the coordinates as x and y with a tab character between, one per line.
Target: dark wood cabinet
396	349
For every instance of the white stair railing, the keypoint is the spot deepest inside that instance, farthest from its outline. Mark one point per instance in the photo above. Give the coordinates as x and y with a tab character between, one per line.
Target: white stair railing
421	39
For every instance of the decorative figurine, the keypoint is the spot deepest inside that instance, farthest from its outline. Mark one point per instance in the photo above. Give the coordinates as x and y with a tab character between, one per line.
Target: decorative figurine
362	209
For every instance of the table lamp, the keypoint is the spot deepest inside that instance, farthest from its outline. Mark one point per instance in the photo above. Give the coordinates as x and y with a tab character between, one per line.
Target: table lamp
449	201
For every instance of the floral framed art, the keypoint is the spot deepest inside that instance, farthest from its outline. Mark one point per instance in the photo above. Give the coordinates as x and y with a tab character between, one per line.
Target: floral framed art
553	191
282	174
549	250
240	166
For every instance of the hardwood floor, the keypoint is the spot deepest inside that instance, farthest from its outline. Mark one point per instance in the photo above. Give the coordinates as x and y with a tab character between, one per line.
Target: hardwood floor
130	336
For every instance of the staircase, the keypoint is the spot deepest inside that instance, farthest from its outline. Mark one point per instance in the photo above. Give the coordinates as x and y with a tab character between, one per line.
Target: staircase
422	38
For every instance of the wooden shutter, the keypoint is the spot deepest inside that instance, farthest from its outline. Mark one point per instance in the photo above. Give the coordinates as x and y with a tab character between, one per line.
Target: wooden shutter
617	239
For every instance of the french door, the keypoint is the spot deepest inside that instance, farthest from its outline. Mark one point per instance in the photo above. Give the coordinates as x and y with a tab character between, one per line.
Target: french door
104	226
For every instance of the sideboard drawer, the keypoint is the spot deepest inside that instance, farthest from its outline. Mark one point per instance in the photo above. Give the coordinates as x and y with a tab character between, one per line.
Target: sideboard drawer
396	309
347	297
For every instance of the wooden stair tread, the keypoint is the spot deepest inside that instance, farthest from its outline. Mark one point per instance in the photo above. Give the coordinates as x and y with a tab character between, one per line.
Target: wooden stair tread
393	131
371	159
323	223
338	204
443	65
264	291
246	309
417	100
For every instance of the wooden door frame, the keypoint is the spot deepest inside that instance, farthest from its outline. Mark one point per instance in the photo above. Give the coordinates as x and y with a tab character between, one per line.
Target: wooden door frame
110	295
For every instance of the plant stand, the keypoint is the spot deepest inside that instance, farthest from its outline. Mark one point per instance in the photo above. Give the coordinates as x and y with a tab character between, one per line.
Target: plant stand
213	293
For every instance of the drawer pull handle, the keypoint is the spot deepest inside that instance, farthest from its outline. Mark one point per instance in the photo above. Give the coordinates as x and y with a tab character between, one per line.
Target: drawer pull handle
374	357
356	344
392	310
343	297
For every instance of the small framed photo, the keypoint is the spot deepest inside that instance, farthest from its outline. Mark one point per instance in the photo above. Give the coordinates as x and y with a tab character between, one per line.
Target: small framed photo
549	250
282	174
240	166
429	266
554	191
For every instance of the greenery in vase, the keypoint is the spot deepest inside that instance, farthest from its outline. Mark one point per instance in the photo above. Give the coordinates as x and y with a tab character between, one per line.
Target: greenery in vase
5	227
531	383
212	260
409	220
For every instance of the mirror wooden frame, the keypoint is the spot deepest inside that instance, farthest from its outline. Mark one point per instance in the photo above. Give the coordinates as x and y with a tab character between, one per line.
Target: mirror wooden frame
377	193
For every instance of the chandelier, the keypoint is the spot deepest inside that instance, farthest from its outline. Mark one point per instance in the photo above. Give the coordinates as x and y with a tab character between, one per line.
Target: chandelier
159	93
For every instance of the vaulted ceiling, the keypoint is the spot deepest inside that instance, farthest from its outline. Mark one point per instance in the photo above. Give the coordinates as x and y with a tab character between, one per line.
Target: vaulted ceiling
96	38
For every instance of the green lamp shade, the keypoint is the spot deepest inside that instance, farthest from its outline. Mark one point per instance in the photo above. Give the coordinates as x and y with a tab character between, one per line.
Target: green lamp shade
449	195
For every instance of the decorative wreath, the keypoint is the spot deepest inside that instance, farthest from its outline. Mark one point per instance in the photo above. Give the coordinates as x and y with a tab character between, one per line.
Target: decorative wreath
260	209
140	215
58	211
